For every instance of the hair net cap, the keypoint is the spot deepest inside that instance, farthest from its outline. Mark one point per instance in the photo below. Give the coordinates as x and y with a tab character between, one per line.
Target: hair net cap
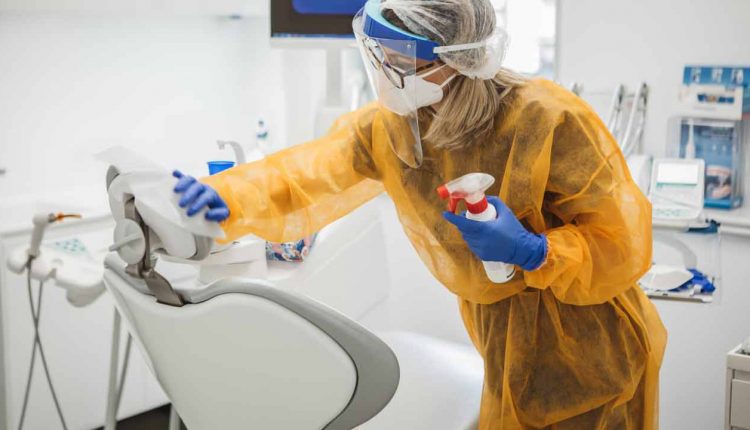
471	42
490	54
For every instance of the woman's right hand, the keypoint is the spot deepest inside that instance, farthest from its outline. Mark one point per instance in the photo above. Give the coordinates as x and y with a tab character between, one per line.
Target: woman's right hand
196	196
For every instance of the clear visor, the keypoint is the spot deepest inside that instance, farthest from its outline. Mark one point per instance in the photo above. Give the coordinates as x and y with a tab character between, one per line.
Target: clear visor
390	64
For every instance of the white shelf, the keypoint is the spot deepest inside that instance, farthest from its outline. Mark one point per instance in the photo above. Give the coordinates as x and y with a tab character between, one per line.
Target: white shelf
735	222
739	217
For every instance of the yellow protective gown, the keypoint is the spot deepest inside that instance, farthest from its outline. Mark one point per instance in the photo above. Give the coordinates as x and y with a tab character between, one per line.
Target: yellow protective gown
572	345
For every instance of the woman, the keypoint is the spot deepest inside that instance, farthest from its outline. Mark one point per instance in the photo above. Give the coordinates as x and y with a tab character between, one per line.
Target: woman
570	342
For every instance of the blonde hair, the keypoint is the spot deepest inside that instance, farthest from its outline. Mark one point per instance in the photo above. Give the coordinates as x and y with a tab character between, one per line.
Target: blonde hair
468	111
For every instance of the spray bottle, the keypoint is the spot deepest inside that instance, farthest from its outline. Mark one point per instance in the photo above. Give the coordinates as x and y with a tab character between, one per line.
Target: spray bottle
470	188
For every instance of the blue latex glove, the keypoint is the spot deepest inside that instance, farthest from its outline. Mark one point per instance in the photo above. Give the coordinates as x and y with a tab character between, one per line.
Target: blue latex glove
503	239
196	196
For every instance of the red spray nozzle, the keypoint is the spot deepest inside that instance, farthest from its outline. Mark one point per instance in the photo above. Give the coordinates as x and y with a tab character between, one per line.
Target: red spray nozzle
443	192
470	188
446	195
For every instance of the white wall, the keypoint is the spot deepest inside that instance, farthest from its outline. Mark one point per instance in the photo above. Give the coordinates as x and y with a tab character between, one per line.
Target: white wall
605	42
75	82
170	86
417	301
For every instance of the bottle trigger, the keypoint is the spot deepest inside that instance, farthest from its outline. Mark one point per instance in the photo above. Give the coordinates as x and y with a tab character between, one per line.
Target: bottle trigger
453	203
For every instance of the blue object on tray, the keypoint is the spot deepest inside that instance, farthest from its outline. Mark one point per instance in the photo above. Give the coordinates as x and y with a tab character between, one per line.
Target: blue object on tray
700	280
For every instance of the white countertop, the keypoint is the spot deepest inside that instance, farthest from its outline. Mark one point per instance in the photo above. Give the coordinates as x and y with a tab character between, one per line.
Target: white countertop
737	217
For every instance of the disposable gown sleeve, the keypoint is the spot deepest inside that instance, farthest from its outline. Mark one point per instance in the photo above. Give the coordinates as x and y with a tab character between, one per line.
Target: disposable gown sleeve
602	245
296	192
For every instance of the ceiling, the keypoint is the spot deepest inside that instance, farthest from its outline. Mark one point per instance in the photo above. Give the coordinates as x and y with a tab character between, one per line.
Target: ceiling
140	7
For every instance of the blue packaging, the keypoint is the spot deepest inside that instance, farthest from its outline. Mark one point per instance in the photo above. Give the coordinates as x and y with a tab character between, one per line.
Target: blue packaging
718	143
730	77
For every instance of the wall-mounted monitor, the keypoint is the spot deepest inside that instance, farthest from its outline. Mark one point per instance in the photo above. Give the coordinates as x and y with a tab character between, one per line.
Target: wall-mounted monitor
313	23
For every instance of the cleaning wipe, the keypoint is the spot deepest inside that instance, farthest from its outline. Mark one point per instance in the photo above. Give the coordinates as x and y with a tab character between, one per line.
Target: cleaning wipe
153	188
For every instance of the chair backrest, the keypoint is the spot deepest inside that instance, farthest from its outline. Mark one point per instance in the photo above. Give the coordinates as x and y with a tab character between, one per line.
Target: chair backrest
243	354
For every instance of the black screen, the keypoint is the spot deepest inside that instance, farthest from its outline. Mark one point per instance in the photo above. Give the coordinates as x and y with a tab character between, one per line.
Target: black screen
287	22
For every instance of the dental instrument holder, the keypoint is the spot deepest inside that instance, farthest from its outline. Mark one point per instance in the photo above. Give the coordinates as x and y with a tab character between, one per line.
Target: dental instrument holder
81	279
626	115
676	194
692	245
632	139
615	109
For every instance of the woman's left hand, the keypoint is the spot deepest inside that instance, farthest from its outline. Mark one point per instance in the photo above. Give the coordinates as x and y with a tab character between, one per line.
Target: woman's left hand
503	239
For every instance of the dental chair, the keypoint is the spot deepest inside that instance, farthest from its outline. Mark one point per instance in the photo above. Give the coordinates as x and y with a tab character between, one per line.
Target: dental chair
264	353
244	354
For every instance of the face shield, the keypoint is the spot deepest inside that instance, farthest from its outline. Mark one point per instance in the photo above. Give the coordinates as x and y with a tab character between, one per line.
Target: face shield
393	65
397	63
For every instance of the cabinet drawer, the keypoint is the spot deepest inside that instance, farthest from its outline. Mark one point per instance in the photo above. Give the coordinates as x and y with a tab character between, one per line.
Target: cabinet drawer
740	414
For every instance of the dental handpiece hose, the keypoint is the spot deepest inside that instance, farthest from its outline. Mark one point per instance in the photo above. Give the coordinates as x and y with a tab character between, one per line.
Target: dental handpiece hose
471	189
40	222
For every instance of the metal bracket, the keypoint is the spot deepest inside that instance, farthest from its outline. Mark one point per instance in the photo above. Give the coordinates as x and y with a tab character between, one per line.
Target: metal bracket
144	269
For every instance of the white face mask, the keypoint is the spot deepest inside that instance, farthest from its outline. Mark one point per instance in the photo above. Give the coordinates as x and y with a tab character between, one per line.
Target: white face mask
417	92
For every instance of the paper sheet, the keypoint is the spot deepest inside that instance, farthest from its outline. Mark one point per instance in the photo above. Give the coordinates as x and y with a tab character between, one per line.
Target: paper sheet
153	187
